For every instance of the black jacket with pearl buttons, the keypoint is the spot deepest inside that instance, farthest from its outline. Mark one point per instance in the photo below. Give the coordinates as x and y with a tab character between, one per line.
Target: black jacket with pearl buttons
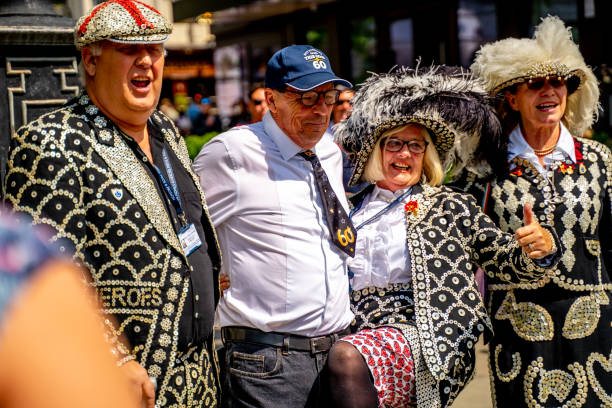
72	170
448	238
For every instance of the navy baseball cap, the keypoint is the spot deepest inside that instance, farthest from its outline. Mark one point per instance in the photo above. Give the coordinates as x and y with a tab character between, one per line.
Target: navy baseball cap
302	67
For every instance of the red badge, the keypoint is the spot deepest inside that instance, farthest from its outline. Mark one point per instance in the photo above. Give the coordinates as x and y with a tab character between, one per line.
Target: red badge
517	171
411	207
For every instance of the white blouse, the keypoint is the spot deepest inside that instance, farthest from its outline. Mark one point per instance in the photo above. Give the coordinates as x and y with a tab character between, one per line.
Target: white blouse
381	256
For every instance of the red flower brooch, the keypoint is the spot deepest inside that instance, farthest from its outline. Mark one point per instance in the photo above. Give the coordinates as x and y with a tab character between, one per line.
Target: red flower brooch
517	171
567	168
411	207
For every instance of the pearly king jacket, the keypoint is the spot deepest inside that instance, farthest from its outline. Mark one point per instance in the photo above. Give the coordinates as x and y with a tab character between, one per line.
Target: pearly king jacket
72	170
447	237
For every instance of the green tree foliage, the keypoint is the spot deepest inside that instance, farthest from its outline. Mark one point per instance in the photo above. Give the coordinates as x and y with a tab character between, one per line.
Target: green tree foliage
195	143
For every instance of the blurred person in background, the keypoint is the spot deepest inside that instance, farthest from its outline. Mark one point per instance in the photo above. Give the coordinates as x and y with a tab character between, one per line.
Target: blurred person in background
208	120
167	108
194	109
257	105
44	361
111	175
342	108
183	123
239	115
341	111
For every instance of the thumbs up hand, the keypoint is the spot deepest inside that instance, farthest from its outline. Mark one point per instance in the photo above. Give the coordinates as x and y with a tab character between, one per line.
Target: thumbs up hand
535	240
528	218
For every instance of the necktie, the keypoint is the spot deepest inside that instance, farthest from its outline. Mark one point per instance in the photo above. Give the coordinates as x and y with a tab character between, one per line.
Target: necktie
340	227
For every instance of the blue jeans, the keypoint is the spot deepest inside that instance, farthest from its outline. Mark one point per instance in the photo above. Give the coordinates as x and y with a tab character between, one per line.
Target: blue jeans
260	376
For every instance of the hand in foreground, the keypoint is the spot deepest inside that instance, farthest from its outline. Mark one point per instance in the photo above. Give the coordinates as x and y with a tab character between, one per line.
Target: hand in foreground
535	240
140	383
224	283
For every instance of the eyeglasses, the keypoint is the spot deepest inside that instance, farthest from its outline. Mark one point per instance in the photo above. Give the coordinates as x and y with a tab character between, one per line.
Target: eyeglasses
257	102
310	98
392	144
340	102
538	83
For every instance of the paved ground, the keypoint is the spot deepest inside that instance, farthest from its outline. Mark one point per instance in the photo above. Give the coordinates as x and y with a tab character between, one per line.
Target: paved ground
477	394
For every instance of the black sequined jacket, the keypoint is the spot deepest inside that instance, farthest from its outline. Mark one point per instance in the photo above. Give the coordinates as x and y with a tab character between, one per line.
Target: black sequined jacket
577	203
549	334
448	237
72	170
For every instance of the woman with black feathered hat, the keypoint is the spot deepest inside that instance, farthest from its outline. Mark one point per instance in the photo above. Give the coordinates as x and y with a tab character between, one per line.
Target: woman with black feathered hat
418	312
553	338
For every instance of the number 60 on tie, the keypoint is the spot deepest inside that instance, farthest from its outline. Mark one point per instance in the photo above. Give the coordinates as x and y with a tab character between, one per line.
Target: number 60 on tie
345	237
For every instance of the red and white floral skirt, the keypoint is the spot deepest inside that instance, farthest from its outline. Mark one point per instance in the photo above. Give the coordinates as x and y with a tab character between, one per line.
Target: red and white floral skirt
387	354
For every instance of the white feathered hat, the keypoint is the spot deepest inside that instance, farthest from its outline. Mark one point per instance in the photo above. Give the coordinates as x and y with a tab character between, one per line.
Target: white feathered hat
551	52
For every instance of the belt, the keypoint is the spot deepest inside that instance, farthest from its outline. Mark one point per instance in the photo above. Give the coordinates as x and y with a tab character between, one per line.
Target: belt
320	344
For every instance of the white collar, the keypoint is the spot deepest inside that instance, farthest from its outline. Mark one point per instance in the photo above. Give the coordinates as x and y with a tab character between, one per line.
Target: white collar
517	144
286	146
387	195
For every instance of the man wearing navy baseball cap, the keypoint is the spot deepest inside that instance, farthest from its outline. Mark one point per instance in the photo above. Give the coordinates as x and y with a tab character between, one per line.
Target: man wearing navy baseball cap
302	67
274	192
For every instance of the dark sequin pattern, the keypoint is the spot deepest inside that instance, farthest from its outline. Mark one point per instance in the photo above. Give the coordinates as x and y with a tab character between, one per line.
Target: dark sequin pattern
552	342
441	312
71	170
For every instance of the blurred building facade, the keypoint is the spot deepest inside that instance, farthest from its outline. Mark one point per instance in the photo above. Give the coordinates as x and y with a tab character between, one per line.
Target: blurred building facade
361	36
220	47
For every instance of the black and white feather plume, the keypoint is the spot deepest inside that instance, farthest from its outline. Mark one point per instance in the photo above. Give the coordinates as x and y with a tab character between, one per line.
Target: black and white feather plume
448	101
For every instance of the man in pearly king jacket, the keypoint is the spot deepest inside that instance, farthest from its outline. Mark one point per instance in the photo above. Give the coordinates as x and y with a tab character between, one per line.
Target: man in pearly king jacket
111	175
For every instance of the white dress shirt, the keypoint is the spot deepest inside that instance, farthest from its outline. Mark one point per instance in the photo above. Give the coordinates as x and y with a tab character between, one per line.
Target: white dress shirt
286	274
381	256
517	146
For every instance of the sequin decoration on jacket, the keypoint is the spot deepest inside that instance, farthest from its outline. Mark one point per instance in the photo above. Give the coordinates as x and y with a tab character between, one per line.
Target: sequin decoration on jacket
447	239
72	170
553	338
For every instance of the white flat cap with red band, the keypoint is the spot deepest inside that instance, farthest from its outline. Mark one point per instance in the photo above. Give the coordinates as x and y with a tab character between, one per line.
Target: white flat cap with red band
125	21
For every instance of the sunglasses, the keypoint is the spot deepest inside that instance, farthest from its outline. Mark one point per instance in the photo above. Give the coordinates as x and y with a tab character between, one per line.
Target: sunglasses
257	102
393	145
311	98
340	102
538	83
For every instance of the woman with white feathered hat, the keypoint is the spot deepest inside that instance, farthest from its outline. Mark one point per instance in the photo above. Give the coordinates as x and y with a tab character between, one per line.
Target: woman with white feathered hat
418	312
553	338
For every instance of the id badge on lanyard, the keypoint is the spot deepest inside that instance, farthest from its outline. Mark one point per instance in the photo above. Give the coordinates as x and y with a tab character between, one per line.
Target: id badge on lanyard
190	239
188	234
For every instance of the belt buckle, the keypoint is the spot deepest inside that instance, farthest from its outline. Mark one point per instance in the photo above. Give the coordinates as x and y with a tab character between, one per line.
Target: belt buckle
314	342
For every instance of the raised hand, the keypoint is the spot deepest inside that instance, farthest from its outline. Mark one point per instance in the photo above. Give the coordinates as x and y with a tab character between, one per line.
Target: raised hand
535	240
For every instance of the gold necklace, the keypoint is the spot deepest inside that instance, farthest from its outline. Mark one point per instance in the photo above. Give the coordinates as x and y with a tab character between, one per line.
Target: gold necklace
547	150
544	152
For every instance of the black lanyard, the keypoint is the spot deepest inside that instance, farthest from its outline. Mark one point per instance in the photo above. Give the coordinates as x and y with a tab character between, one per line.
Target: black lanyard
170	186
381	212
